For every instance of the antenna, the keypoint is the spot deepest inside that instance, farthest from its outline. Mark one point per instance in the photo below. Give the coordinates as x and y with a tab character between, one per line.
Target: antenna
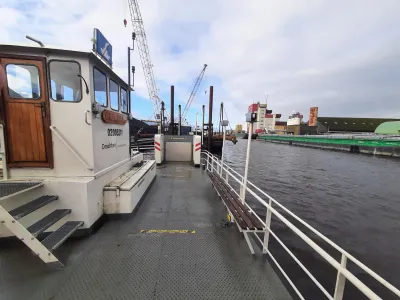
34	40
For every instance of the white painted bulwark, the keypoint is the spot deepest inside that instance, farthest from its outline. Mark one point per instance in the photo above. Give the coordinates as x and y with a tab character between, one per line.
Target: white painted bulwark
159	148
196	149
123	194
83	195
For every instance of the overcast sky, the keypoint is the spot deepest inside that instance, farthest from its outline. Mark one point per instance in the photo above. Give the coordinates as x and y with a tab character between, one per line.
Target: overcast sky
342	56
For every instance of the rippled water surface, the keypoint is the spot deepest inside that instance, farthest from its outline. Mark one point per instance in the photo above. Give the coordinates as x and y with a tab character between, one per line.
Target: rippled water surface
352	199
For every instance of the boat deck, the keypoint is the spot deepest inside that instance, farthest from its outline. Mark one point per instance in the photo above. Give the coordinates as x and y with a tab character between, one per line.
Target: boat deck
121	262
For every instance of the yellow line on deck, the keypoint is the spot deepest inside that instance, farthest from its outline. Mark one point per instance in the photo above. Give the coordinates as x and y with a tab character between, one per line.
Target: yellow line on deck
167	231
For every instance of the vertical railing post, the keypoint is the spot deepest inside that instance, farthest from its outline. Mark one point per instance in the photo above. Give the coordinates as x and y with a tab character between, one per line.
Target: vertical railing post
223	146
340	280
267	227
241	189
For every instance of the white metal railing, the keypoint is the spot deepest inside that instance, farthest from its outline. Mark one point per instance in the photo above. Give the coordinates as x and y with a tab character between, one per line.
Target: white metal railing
213	164
54	130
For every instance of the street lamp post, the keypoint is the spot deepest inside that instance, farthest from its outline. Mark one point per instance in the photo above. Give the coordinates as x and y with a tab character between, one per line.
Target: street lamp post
224	123
250	118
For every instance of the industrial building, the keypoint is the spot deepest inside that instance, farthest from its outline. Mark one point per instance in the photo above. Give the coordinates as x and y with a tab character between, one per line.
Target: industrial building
389	128
335	124
266	120
239	128
321	125
280	127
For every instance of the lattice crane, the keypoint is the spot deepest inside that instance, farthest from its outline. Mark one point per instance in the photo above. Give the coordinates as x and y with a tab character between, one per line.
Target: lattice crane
144	53
194	91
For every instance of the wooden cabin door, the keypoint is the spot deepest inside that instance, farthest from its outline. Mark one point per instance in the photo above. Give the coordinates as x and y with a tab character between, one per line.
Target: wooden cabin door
26	112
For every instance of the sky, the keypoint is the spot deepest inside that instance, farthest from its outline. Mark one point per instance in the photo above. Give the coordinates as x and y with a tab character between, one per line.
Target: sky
342	56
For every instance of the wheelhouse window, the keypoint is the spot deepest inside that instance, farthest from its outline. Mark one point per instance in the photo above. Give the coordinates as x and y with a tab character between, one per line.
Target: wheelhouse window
100	87
23	81
114	101
65	81
124	100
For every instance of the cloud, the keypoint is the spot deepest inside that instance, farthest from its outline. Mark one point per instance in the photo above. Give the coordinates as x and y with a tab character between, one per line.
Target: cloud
341	56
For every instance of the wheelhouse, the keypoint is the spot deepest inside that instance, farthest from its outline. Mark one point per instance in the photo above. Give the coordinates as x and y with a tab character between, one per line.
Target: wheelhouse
63	112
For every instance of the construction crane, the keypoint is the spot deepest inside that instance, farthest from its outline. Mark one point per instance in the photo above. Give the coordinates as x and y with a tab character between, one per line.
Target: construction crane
193	93
144	53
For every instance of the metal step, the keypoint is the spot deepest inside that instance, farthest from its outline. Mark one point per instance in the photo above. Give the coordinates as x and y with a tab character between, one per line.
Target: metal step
41	225
54	240
27	208
11	188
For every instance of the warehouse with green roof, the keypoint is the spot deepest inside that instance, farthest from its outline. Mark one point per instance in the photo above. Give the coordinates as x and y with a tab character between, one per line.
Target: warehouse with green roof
392	128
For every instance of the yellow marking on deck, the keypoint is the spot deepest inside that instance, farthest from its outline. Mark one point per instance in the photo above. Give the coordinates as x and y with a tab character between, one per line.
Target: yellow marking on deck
167	231
228	217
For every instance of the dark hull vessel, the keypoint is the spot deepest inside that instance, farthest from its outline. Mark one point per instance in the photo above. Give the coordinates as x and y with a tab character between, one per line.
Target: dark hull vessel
253	136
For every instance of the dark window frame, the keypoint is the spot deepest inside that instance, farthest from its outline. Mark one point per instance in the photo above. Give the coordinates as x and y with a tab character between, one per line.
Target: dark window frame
127	100
49	80
118	93
94	88
8	88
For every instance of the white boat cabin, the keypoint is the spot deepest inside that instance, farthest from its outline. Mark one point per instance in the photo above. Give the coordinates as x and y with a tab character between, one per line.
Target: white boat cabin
47	99
64	123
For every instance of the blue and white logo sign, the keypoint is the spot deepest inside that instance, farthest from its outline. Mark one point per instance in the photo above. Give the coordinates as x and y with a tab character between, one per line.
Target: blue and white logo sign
102	46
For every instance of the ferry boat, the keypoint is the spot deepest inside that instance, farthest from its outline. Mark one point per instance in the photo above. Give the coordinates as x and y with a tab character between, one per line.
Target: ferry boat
68	171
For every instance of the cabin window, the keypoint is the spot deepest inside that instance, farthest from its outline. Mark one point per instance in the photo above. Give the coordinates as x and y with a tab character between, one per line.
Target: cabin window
65	82
100	87
114	103
124	100
23	81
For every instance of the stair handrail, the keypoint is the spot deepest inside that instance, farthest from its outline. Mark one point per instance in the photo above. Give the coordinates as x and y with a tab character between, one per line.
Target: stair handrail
3	152
77	155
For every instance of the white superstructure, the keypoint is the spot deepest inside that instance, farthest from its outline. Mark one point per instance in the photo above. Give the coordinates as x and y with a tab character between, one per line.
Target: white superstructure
65	124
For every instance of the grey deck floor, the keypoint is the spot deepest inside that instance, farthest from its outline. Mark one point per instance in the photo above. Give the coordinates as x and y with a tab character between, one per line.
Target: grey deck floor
120	262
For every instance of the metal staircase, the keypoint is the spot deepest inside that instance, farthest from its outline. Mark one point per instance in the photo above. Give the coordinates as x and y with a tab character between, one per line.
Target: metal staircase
29	236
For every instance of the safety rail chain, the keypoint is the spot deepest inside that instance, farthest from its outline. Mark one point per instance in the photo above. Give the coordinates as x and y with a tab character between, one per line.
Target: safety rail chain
213	164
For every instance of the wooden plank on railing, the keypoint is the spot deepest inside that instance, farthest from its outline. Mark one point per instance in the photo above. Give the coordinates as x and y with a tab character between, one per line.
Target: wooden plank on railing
231	208
254	219
256	224
237	206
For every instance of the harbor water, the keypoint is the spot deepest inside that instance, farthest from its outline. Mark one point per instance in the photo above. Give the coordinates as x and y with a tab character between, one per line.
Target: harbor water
353	199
